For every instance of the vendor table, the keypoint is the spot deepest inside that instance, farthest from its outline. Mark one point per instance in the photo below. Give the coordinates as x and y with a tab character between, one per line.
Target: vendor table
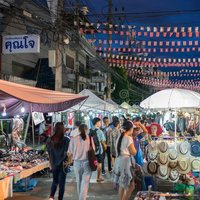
6	184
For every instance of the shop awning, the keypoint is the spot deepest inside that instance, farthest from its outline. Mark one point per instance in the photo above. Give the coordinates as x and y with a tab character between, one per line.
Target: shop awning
15	96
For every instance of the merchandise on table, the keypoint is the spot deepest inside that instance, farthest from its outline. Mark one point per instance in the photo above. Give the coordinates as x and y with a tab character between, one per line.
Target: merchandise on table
16	163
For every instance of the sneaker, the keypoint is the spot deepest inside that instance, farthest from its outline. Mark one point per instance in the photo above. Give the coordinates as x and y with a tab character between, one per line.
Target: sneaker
110	171
103	173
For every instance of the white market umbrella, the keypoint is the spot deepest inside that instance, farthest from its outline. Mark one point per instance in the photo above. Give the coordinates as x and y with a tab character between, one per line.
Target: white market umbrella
172	99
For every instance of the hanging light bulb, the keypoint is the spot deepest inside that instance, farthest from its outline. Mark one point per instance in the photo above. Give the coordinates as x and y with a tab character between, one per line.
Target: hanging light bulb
4	110
22	109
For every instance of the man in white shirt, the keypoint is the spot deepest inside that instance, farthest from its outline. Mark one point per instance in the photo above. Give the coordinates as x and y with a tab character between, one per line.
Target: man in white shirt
75	132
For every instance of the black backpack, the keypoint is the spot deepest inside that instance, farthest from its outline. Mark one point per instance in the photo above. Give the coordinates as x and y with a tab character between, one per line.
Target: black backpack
93	134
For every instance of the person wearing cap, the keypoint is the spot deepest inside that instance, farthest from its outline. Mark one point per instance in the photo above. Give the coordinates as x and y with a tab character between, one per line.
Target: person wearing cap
139	132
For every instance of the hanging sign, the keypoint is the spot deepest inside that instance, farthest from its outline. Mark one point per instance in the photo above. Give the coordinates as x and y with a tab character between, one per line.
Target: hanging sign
37	118
21	44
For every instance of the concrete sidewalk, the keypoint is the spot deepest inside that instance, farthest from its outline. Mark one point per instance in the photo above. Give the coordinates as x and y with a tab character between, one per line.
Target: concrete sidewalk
96	190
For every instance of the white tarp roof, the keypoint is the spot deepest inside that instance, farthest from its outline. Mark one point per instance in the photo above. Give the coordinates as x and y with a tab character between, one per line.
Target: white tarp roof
93	102
172	99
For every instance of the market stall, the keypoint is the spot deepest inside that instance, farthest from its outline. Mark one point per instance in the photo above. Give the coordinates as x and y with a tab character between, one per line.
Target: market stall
93	103
13	98
173	158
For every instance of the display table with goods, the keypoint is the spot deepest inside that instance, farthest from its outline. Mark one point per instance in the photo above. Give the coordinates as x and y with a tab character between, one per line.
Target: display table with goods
176	161
146	195
15	167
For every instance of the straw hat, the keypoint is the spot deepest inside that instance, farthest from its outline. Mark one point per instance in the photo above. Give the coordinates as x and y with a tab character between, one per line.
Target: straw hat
195	164
163	159
195	148
152	155
184	148
184	166
163	147
174	175
163	172
152	146
152	167
173	155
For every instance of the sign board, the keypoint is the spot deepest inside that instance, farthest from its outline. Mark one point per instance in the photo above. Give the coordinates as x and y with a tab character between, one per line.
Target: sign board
98	79
37	118
21	44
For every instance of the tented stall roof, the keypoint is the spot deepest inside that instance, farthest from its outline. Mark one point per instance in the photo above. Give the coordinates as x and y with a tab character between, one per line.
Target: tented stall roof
15	96
172	99
93	102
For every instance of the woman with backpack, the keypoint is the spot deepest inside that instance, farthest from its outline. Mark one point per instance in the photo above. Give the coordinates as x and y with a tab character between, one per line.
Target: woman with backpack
78	148
57	147
123	171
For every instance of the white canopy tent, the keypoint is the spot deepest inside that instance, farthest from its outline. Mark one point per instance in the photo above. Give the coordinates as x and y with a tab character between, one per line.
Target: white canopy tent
93	103
118	108
174	99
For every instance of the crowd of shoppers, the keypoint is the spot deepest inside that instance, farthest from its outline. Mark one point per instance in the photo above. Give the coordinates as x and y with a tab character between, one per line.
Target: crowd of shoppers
119	141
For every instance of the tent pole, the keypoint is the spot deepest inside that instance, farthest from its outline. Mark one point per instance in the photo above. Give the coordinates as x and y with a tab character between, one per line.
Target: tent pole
175	124
27	125
33	131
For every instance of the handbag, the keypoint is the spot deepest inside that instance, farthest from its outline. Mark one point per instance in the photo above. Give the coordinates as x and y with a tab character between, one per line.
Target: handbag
91	158
104	146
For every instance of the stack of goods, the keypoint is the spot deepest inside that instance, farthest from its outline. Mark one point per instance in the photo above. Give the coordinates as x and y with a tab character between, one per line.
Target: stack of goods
160	196
170	160
15	163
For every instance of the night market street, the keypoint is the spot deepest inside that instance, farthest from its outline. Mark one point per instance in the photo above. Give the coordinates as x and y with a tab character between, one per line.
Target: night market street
97	191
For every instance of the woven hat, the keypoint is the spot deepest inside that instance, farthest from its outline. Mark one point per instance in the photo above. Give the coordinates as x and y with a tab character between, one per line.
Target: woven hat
173	154
184	148
152	146
163	159
163	172
172	164
184	166
174	175
195	148
163	147
152	155
152	167
195	164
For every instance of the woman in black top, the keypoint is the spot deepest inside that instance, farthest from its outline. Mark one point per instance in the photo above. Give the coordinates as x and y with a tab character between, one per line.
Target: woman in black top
57	147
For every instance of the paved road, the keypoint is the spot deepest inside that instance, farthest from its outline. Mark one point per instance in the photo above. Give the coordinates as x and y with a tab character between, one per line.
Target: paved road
103	191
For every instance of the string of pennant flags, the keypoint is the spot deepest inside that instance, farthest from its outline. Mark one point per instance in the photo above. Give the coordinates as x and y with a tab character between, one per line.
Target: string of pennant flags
167	84
148	50
163	74
145	43
160	29
134	33
149	64
145	59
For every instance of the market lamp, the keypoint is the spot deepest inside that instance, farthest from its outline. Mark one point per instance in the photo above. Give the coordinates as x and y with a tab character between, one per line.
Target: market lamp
22	109
4	110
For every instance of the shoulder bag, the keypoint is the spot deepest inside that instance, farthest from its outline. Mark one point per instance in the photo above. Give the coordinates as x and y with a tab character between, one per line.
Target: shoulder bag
91	157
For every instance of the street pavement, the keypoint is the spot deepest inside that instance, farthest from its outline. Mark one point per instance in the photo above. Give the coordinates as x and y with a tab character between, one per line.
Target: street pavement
103	191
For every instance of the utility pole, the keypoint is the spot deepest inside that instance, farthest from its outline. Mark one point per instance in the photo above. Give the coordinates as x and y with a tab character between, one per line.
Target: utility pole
59	47
108	93
77	50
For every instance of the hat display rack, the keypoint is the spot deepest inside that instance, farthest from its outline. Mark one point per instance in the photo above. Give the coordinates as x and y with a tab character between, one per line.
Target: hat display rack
169	163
